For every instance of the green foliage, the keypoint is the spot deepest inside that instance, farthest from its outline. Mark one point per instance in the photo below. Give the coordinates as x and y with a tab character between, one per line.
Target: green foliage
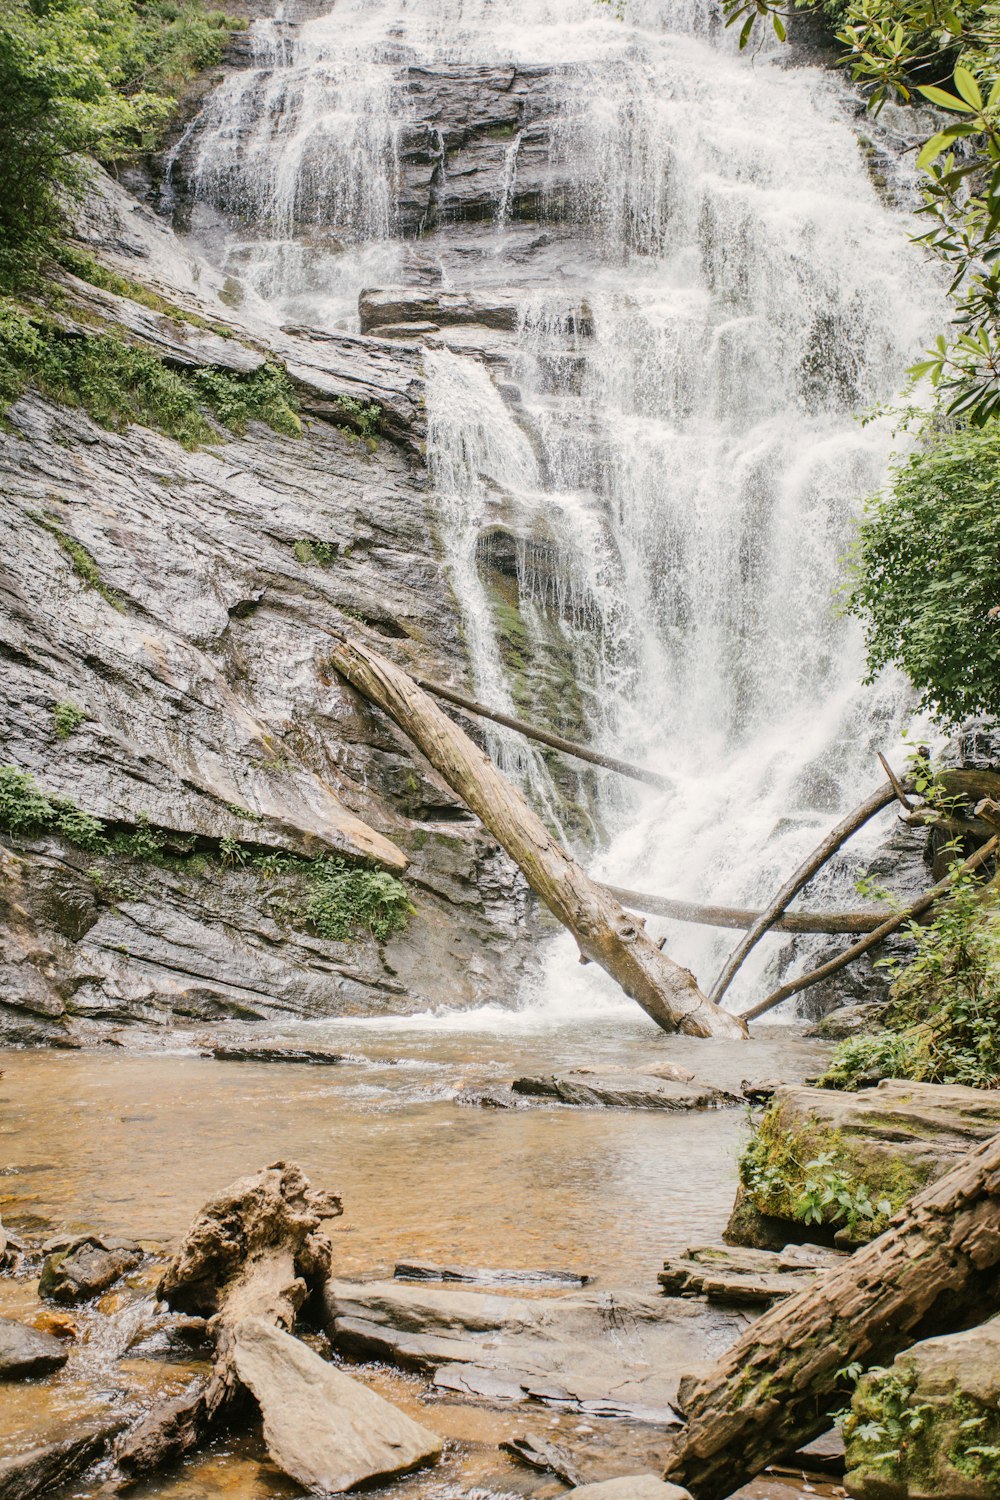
363	421
807	1175
309	551
67	717
117	382
943	1022
344	897
264	396
26	810
924	575
78	79
884	1420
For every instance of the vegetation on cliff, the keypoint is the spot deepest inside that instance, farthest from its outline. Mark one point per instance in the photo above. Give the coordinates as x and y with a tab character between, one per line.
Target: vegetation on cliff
81	79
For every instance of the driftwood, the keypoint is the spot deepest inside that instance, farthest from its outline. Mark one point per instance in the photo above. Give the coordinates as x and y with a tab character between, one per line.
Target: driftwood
934	1270
544	736
819	857
927	900
604	932
253	1252
738	916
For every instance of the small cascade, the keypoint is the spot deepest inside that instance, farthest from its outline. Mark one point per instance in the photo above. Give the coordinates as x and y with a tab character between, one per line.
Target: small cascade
668	445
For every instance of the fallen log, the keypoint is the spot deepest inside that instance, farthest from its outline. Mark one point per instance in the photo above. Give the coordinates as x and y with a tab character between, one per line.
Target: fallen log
738	916
252	1253
934	1270
604	932
544	736
819	857
892	924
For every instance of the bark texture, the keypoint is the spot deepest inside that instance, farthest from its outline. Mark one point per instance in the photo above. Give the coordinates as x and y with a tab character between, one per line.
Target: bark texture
935	1269
604	932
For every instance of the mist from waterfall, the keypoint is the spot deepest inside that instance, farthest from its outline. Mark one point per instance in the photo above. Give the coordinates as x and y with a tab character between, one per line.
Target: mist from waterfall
691	458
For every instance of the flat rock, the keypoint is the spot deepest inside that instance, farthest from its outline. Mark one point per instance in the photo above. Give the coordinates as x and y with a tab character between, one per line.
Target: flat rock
611	1090
317	1056
41	1470
25	1352
323	1428
86	1267
725	1274
632	1487
410	1270
615	1354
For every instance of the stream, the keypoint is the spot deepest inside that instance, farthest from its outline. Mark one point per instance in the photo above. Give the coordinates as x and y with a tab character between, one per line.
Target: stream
131	1142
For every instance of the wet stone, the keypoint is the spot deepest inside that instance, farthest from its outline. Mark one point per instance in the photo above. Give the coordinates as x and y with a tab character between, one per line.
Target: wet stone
85	1267
42	1470
25	1352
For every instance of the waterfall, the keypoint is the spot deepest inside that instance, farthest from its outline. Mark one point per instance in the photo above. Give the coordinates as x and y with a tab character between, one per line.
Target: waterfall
717	288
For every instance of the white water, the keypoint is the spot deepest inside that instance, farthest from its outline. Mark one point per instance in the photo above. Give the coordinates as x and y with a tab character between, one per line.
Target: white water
696	472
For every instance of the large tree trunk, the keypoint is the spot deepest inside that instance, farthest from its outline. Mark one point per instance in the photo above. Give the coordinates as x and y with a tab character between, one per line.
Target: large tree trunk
935	1269
604	932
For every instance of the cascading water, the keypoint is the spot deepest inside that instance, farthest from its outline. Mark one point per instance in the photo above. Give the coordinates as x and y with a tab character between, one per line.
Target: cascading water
719	290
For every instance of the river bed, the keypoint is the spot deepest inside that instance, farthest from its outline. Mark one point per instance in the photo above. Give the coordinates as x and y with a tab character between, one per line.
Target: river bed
132	1141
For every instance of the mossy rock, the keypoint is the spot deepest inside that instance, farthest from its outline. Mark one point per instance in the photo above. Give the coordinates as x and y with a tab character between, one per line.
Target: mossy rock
929	1427
884	1143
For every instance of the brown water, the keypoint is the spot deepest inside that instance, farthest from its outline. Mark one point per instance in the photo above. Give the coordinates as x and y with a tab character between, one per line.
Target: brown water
133	1142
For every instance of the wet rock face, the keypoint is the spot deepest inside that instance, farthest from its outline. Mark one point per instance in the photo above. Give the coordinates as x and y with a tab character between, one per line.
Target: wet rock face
194	658
929	1426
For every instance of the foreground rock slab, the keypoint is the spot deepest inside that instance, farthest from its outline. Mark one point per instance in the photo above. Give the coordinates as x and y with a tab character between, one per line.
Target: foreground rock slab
85	1267
605	1354
24	1352
321	1427
944	1397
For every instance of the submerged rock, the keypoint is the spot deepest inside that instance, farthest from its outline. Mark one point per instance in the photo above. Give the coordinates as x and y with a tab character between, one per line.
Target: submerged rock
42	1470
26	1352
409	1270
323	1428
929	1427
85	1267
612	1090
317	1056
606	1354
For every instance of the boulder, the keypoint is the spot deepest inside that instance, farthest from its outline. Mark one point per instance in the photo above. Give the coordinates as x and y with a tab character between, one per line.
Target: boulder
611	1354
323	1428
928	1428
632	1487
893	1140
84	1267
42	1470
25	1352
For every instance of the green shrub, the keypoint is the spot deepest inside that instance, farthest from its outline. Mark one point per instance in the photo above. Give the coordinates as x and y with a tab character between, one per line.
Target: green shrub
117	382
26	809
310	552
925	574
67	717
344	897
943	1021
364	421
